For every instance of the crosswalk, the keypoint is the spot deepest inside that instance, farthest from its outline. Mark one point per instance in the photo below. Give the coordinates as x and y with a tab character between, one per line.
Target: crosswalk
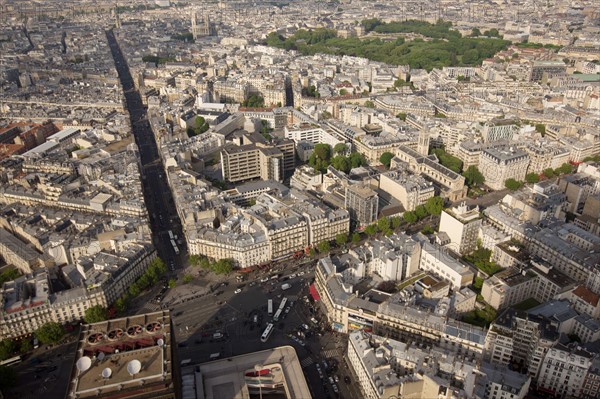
307	362
333	353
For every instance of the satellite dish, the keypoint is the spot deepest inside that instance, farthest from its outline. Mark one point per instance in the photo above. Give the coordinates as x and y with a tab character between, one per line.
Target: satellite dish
107	372
160	342
83	364
134	367
101	356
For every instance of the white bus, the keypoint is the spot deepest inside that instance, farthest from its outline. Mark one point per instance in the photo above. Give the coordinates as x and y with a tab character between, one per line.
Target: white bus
283	303
171	235
175	247
270	307
267	333
11	361
277	315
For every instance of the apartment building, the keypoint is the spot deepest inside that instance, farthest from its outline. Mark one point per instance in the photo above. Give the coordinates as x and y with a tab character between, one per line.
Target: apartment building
448	184
462	225
311	133
362	203
411	190
251	157
564	370
500	164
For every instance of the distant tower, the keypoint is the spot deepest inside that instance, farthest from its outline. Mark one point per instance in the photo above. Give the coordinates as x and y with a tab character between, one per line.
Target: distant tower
423	147
200	28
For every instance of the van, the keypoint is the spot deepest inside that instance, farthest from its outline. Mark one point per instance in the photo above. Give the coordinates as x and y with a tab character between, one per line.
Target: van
255	320
215	356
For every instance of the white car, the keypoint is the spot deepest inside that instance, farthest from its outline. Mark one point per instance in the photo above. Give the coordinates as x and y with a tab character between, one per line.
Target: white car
237	291
264	280
301	274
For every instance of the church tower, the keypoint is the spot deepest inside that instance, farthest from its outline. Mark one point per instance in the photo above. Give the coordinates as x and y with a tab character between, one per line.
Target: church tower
423	146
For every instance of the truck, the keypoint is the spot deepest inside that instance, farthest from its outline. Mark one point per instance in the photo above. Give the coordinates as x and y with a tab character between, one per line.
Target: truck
286	286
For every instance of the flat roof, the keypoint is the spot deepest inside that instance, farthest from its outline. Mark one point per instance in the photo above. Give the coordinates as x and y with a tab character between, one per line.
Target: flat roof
231	377
110	347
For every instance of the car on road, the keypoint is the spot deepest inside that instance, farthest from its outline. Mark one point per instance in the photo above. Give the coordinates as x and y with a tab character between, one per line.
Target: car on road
264	280
287	310
300	273
237	291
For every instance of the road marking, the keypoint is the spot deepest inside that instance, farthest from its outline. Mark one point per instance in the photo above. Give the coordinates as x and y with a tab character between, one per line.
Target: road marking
307	362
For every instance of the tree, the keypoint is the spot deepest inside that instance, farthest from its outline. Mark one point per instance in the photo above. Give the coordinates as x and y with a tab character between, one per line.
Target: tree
402	116
357	160
194	260
50	333
421	212
322	151
475	32
7	348
383	224
341	239
342	163
8	377
532	178
121	305
370	230
95	314
312	252
549	173
340	149
512	184
369	104
395	221
343	92
410	217
26	345
188	278
205	262
386	159
434	205
564	169
223	266
541	128
473	176
9	275
427	230
324	246
355	238
172	283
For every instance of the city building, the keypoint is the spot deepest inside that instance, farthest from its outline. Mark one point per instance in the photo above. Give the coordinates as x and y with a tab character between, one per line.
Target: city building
362	203
500	164
131	357
462	226
411	190
277	371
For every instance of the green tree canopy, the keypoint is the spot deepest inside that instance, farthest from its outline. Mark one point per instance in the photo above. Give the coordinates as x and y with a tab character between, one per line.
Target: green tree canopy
342	163
386	159
532	178
223	266
357	160
95	314
341	239
421	212
513	184
451	162
434	205
50	333
324	246
541	128
473	176
340	148
549	173
475	32
402	116
564	169
9	275
172	283
188	278
395	221
383	224
254	101
369	104
355	238
410	217
7	348
371	229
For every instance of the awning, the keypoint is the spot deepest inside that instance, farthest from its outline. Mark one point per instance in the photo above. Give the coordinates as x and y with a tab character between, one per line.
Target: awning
313	292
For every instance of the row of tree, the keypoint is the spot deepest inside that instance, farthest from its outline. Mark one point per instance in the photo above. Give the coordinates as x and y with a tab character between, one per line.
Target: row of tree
200	126
221	266
154	273
433	206
323	156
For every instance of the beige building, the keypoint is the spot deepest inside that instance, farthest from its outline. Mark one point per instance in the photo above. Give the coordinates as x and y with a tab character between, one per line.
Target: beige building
462	226
251	157
500	164
448	184
411	190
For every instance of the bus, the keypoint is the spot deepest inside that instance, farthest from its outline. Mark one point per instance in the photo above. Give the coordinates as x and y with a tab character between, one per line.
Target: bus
267	333
11	361
171	237
277	315
270	307
283	303
175	247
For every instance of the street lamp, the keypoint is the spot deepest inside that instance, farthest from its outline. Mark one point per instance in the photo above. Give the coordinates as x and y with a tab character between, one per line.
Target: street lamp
258	368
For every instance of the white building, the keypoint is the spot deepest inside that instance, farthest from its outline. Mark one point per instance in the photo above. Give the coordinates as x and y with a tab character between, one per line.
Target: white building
462	226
